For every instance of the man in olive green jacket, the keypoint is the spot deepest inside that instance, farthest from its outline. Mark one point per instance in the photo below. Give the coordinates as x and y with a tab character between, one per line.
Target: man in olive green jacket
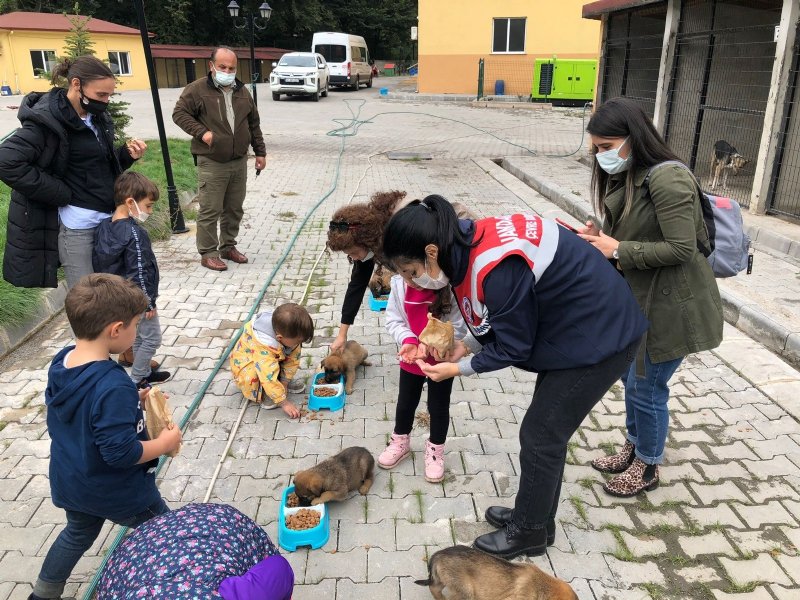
220	115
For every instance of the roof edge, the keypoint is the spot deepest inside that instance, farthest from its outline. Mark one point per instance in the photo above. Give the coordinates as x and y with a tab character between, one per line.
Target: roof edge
595	10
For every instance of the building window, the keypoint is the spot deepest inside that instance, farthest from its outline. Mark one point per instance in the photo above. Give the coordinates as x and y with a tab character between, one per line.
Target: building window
42	61
509	35
120	63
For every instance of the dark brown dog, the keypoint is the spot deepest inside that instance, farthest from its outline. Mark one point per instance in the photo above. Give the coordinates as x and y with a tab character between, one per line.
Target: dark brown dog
380	284
344	362
333	478
469	574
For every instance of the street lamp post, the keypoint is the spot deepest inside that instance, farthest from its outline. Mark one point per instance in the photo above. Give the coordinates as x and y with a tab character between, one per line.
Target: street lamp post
175	214
250	21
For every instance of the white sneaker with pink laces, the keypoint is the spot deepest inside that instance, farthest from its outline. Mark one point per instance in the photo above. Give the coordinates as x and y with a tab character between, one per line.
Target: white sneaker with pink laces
434	462
399	448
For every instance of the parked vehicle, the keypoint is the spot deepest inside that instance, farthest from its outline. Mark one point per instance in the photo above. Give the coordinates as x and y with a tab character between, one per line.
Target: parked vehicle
347	56
300	74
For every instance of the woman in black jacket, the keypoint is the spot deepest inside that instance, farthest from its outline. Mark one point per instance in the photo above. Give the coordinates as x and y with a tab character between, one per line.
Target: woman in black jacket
61	165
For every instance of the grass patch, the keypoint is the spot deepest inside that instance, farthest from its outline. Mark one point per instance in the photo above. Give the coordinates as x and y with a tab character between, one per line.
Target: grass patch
656	591
19	304
622	552
418	494
579	508
16	304
184	173
3	425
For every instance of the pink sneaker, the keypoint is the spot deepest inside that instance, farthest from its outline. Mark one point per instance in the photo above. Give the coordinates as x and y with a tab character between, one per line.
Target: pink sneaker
397	450
434	462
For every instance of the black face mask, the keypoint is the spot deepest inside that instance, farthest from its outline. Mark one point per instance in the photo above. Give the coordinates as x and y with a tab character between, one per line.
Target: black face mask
92	106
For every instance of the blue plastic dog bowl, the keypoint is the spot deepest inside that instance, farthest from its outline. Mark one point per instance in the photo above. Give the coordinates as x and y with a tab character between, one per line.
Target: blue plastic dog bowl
332	403
292	539
378	304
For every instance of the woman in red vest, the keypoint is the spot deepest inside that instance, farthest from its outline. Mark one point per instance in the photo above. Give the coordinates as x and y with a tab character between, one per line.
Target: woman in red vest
537	297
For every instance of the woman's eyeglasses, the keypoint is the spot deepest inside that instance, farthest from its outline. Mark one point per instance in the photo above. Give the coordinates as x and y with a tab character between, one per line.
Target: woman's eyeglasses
343	226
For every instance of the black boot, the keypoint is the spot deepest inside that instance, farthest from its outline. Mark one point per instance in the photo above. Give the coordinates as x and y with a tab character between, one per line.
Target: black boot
512	541
500	516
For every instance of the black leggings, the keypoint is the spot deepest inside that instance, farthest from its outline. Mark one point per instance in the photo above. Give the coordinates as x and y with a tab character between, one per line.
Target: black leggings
438	405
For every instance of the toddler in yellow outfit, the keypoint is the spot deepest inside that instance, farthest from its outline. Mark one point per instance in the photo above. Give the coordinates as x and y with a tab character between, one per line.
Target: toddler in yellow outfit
267	355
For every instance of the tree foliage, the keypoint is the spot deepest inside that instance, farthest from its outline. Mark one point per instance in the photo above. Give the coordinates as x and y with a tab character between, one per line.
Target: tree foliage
385	24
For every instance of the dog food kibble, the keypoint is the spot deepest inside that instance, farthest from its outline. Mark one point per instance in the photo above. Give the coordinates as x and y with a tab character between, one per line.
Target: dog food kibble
292	500
304	518
324	392
320	379
383	298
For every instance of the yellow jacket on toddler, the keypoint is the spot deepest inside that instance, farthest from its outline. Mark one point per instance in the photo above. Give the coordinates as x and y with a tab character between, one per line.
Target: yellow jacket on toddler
260	361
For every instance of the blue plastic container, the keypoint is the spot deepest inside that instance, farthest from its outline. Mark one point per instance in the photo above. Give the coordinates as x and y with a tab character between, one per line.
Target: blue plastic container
499	87
378	304
384	91
292	539
332	403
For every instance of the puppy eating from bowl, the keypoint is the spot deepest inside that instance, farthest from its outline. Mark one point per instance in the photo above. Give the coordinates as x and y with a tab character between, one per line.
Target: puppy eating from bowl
344	362
335	477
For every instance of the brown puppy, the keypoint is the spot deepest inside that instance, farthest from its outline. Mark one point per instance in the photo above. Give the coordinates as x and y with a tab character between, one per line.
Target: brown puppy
335	477
380	284
344	362
469	574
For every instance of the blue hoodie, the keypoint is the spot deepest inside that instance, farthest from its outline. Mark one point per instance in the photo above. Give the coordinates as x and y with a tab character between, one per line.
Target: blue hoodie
96	427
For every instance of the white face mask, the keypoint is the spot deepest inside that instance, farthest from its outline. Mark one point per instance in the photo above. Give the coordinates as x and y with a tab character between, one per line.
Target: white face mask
142	216
429	283
368	256
224	79
610	160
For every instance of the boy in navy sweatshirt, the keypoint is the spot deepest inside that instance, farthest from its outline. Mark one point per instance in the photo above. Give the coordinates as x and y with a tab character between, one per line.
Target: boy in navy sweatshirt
102	464
122	247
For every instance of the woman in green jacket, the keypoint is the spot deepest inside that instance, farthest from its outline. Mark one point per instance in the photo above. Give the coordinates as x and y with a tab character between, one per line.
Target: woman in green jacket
652	230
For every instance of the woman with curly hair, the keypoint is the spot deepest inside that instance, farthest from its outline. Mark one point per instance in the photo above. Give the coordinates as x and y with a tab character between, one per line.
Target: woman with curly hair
357	230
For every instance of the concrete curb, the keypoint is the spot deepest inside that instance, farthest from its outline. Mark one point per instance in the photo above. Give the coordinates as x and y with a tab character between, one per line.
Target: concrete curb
748	318
12	336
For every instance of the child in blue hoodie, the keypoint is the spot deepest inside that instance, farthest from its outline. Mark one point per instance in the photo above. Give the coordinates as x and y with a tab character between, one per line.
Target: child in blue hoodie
102	464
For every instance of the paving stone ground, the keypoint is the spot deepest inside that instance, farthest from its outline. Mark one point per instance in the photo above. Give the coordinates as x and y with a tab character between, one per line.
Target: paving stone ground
725	522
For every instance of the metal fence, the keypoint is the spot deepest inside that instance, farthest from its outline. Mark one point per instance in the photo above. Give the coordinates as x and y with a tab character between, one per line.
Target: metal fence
505	76
632	55
784	190
719	87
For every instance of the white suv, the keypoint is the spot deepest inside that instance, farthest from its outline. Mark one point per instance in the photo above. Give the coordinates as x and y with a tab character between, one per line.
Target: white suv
300	74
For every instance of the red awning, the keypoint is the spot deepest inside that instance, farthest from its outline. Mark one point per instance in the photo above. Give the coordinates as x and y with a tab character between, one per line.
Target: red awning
204	52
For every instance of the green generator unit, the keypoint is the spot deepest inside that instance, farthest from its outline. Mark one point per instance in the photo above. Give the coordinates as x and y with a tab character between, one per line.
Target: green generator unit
564	81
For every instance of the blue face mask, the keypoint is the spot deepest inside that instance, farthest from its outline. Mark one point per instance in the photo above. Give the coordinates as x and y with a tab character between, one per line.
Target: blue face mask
224	79
610	160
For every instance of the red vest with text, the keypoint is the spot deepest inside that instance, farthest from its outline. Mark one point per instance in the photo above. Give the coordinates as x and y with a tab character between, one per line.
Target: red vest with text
528	236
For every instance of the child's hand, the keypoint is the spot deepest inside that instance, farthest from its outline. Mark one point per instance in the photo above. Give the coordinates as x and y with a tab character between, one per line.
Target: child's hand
171	437
422	352
290	409
151	313
408	353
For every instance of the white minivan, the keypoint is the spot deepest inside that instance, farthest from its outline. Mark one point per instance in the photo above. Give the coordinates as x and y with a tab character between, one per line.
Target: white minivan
347	56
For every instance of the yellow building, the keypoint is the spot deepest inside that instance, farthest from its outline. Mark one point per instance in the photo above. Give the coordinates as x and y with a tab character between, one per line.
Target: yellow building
508	35
31	42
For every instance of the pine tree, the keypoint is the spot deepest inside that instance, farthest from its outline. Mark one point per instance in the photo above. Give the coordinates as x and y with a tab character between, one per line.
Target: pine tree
78	42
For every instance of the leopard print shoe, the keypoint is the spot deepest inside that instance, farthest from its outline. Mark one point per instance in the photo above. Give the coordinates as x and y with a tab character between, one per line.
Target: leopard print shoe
616	463
632	481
